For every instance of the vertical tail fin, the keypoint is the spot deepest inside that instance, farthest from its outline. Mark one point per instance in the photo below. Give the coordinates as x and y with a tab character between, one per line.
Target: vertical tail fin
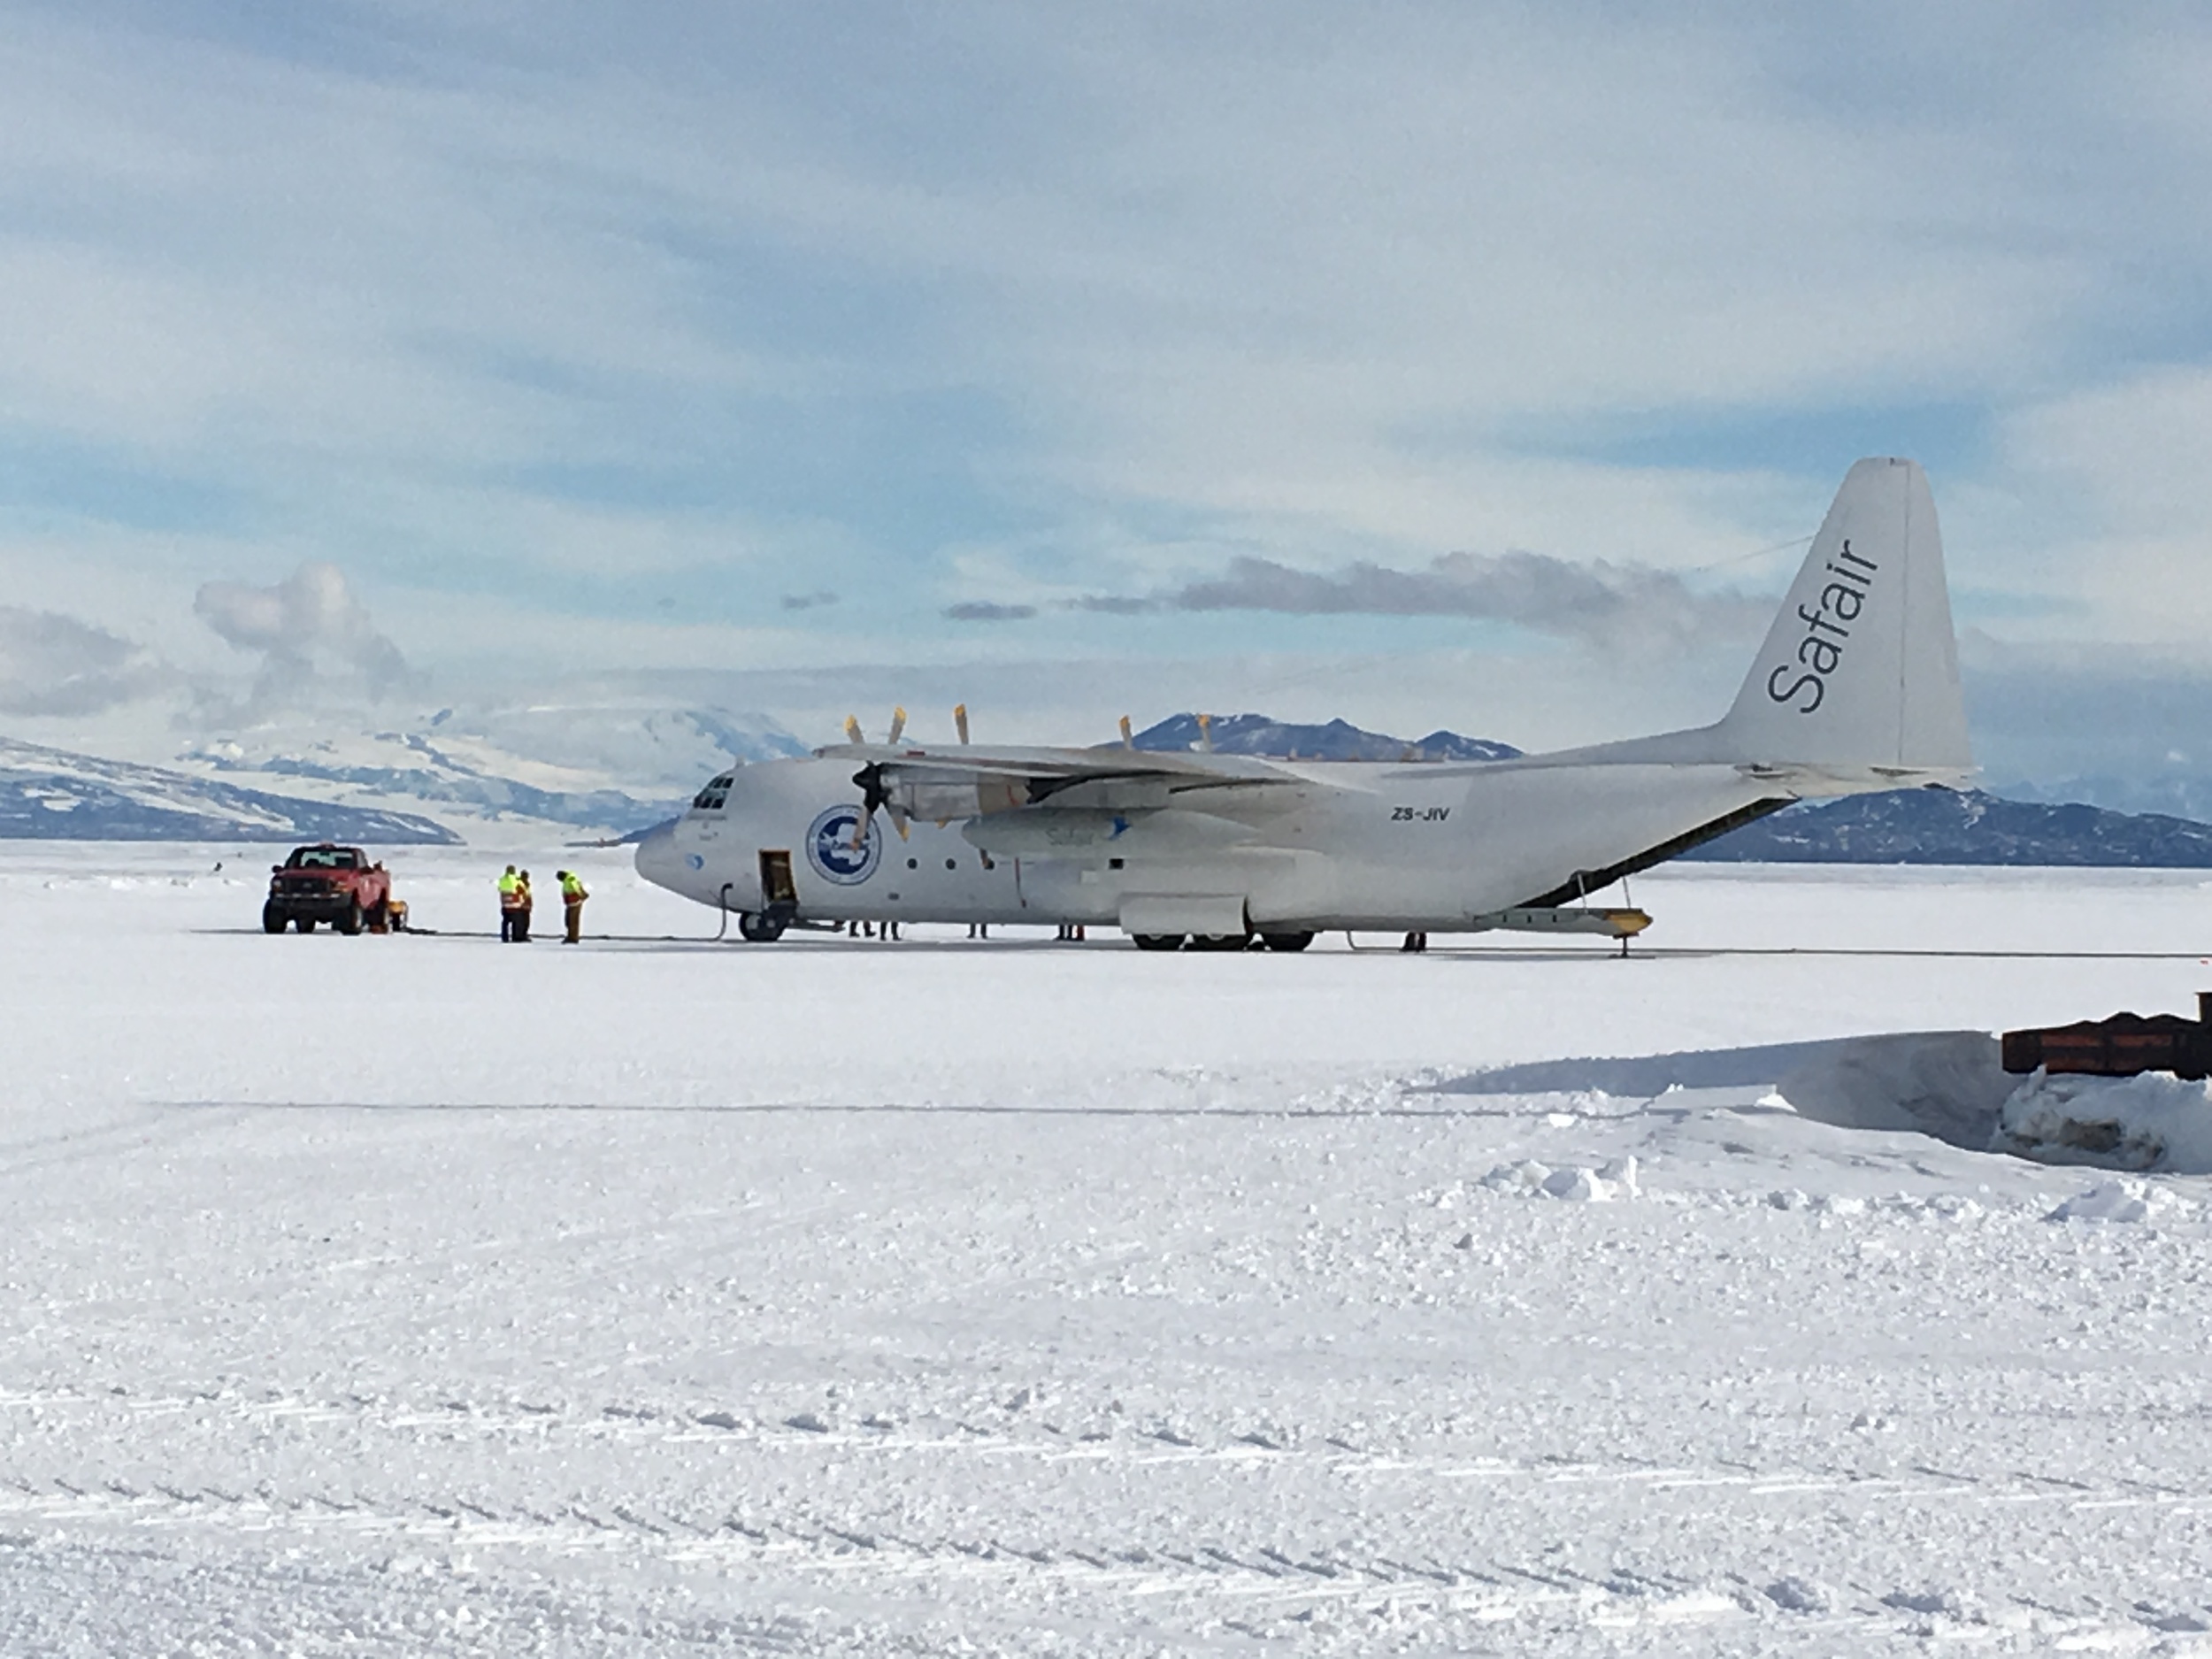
1861	668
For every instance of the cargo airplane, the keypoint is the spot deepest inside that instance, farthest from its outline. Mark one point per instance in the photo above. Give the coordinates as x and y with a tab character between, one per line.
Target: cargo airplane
1856	688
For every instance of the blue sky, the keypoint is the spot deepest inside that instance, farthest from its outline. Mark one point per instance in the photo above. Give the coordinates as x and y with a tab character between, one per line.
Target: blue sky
580	341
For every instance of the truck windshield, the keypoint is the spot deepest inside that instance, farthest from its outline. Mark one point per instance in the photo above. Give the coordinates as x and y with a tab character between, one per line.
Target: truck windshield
325	858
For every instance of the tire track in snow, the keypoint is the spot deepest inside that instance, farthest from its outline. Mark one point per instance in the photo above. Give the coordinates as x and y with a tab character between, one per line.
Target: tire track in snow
1272	1577
1266	1583
1273	1590
1135	1444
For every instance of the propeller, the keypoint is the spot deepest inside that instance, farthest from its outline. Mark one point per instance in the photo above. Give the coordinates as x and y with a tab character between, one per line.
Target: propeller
1206	733
1126	740
874	796
852	731
960	720
898	728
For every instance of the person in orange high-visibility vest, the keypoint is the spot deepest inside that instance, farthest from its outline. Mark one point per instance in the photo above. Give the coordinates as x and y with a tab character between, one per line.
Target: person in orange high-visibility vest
573	897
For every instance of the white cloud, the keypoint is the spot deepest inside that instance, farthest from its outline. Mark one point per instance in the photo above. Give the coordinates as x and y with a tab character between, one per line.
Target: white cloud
987	305
2114	503
56	665
1614	608
300	627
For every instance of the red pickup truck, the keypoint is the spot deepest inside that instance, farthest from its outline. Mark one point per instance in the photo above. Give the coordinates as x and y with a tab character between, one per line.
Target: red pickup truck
326	883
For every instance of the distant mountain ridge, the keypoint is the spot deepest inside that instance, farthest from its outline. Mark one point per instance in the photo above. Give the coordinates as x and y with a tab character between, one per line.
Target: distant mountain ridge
1947	826
51	795
1340	740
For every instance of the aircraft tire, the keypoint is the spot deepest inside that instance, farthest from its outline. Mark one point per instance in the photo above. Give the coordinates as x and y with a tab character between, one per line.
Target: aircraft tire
758	929
1293	942
1159	941
1220	941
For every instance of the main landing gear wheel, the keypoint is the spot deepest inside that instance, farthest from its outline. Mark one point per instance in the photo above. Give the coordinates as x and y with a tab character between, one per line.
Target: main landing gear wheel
1159	941
1220	941
761	930
1287	942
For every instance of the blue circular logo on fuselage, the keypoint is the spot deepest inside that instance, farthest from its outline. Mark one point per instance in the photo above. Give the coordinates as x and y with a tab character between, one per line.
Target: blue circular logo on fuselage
842	847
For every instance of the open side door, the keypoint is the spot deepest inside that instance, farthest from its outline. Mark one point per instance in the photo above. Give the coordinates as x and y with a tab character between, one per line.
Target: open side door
779	895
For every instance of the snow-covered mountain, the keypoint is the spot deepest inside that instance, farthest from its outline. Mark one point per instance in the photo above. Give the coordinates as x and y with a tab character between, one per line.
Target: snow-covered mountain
606	766
50	794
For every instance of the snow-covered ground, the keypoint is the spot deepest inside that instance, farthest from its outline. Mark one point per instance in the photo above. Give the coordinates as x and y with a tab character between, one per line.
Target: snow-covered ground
424	1295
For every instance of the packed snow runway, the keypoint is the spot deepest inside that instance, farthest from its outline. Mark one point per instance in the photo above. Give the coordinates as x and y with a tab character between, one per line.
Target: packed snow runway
428	1295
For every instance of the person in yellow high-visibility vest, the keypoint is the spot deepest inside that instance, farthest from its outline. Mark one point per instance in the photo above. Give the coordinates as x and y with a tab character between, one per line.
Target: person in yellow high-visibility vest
573	897
510	905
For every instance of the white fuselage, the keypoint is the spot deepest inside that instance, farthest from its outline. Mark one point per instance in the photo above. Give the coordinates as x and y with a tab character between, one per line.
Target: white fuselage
1856	687
1409	846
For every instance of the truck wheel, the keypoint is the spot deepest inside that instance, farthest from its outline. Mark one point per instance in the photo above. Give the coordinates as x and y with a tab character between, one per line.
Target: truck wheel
1159	941
1287	942
305	924
760	930
272	919
378	918
350	923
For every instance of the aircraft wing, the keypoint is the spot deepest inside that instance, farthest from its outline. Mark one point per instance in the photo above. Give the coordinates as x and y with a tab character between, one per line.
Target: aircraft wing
943	783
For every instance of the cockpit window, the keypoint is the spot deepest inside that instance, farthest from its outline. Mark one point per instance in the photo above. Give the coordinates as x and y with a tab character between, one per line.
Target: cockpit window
716	796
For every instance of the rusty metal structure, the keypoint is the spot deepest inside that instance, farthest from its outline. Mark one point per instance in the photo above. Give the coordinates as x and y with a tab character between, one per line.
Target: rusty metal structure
2121	1046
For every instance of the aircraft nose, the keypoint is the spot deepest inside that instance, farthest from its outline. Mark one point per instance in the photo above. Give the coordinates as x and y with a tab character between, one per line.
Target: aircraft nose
657	860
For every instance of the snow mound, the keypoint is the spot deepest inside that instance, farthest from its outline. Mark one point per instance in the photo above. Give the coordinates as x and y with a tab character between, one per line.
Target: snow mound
1579	1186
2153	1121
1618	1178
2113	1200
1948	1084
